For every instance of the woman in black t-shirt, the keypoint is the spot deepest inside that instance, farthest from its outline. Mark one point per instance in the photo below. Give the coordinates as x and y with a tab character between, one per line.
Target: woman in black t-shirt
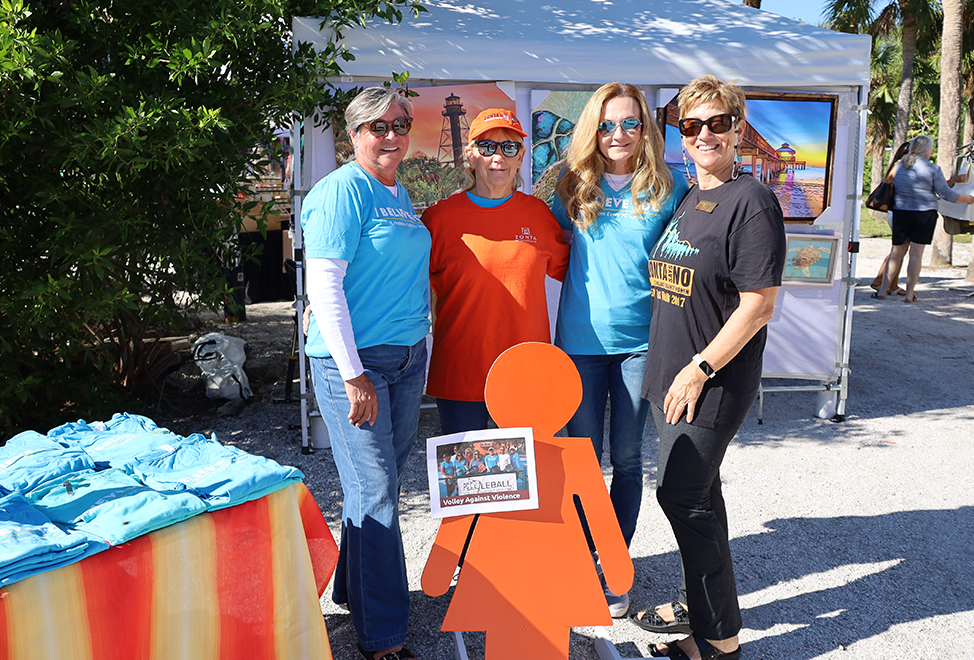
715	274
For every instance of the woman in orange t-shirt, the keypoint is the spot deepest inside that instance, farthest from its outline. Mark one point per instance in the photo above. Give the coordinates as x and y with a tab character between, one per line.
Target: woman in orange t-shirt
492	247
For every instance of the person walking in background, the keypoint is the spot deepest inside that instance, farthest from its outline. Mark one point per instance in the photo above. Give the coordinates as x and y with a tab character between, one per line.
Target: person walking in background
895	278
715	273
492	248
367	273
917	185
615	196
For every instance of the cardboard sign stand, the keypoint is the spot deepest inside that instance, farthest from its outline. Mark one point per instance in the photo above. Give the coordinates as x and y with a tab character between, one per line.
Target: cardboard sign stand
513	556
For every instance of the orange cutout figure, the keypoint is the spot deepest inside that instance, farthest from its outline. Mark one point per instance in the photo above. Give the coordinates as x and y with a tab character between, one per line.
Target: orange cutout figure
528	576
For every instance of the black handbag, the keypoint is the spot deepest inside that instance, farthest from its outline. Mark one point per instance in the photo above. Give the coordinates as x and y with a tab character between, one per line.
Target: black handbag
881	199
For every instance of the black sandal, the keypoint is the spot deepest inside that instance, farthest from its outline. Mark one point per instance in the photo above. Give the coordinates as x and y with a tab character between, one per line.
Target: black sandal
707	651
401	654
653	622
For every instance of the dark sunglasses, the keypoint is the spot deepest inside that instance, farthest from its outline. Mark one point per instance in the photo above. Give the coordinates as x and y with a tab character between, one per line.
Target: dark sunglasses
489	147
717	124
401	126
628	125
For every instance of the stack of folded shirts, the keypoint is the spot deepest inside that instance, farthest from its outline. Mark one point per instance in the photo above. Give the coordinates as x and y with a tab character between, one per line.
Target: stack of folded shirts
84	487
117	442
29	459
110	505
31	544
221	476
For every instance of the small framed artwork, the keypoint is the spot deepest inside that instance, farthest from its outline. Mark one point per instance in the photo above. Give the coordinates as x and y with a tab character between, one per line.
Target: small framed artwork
811	258
482	472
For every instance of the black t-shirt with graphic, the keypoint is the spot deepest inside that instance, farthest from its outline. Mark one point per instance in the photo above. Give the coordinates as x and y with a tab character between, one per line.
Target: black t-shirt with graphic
720	242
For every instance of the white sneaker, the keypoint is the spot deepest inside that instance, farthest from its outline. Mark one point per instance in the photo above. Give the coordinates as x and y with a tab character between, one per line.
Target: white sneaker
618	605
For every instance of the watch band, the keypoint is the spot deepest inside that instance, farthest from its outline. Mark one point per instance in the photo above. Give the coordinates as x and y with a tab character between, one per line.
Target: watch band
705	367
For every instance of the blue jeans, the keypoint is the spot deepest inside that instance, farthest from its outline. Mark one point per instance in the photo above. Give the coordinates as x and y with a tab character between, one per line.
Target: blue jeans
618	378
371	571
459	416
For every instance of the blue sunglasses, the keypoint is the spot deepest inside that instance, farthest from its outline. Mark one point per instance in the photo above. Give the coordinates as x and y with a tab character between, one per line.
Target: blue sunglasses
628	125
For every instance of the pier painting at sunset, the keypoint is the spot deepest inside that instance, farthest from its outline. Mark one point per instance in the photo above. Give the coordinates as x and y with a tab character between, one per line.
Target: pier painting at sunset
785	142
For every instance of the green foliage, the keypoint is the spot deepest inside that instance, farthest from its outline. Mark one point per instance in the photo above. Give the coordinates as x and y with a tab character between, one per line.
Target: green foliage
126	131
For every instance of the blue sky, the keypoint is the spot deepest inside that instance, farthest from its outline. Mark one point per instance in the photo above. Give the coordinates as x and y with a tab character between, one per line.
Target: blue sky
809	11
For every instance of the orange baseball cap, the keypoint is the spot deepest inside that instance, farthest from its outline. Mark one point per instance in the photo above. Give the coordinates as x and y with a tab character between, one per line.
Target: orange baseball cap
492	118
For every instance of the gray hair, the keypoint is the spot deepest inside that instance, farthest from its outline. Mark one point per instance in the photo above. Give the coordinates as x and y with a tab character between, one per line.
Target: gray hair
372	103
919	146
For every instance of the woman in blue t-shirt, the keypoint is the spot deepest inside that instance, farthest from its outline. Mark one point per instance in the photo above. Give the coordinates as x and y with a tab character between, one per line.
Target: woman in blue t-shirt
615	196
368	273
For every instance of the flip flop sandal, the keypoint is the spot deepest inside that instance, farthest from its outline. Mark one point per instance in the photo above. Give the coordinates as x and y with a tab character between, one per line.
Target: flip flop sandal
707	651
401	654
907	300
877	296
653	622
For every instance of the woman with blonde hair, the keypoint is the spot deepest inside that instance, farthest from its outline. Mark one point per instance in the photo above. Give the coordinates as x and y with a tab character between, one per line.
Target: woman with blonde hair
615	195
492	247
917	185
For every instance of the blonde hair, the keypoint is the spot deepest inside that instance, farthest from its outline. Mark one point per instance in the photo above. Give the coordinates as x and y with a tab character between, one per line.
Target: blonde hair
709	88
920	145
469	181
585	164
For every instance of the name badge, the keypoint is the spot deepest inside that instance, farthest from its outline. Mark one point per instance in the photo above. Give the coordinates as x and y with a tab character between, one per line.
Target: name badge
705	206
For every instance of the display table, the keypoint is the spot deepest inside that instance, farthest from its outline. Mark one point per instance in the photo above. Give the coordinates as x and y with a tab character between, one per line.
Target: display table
241	582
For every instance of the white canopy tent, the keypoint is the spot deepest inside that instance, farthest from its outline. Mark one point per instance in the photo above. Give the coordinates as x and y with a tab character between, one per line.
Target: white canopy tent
659	45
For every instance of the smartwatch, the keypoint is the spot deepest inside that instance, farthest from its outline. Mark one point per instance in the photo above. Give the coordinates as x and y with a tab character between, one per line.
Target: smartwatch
704	366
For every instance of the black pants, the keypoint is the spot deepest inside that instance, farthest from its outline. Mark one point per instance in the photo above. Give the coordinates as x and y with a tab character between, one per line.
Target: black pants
688	490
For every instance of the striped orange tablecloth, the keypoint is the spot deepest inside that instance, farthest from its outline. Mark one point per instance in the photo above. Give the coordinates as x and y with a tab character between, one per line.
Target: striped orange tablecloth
239	583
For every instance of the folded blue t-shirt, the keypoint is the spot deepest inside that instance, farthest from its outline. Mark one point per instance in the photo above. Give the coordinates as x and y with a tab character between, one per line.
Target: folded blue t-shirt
111	506
29	459
117	442
30	543
220	475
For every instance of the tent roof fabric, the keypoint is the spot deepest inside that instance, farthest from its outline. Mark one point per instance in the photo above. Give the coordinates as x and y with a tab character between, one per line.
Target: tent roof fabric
644	42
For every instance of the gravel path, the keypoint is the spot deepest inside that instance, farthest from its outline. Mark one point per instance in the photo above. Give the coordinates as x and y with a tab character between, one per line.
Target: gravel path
851	540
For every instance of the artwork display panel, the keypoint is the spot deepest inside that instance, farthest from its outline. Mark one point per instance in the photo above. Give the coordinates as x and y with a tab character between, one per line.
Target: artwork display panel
787	142
434	163
553	118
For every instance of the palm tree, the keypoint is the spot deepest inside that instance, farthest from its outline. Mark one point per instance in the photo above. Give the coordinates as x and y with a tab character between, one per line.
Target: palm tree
912	17
885	77
950	105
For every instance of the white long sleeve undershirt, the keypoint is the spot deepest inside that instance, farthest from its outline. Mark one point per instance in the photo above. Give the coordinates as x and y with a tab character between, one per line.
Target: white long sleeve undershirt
326	295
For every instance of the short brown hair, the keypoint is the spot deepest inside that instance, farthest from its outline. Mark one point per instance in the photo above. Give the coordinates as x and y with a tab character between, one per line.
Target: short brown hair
711	88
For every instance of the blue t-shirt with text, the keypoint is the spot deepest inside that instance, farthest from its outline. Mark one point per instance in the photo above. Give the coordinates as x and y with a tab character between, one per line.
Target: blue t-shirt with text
605	303
350	215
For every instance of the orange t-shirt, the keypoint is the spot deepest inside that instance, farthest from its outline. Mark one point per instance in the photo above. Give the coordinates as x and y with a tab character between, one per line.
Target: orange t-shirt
487	269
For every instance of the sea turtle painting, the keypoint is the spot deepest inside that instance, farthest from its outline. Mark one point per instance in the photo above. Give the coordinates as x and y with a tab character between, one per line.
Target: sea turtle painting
800	259
552	123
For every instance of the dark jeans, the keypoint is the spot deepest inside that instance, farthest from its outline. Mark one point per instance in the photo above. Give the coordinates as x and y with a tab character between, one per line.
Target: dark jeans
460	416
688	490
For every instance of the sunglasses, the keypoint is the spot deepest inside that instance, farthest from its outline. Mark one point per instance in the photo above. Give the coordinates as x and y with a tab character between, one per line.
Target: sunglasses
401	126
489	148
717	124
628	125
